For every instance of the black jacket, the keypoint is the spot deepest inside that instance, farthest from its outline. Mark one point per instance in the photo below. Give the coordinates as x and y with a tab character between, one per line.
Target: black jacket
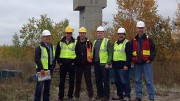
58	51
38	56
81	50
152	48
128	51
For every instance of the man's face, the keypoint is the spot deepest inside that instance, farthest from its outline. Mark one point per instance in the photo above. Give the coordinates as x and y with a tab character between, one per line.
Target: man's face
121	36
47	39
100	35
68	35
141	30
82	35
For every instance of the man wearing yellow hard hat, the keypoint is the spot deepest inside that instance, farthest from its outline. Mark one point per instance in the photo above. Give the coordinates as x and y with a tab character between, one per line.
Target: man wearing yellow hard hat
83	63
65	56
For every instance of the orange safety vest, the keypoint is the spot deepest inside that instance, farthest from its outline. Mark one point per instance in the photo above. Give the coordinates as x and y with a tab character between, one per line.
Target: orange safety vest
145	53
89	52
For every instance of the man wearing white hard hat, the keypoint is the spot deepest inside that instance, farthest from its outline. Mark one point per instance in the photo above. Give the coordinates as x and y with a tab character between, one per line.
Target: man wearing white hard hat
102	56
122	54
143	53
45	61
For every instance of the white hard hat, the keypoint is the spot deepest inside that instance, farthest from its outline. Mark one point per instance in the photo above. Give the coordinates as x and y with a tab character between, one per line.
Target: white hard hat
140	24
100	29
121	30
46	33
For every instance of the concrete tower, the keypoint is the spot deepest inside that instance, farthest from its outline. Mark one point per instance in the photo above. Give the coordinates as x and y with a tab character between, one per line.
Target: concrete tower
90	13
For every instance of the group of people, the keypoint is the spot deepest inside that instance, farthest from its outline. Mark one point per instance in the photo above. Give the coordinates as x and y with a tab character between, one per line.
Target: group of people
76	57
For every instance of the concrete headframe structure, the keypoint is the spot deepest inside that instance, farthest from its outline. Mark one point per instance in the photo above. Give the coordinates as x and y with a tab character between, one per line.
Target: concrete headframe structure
90	13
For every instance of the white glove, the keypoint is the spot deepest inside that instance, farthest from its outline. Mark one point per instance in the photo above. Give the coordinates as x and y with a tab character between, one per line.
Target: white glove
108	66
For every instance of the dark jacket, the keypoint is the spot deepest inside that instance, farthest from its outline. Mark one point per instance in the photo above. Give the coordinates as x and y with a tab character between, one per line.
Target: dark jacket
128	51
81	50
38	56
58	51
152	48
109	50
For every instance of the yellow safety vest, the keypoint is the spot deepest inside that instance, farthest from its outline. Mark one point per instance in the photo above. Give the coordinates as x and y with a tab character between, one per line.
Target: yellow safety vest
103	54
44	57
68	50
119	51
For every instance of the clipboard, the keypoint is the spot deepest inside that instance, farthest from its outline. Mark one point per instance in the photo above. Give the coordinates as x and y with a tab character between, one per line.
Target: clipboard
42	77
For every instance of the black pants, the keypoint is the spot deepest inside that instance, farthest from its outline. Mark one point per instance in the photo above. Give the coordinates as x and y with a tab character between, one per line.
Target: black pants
86	69
64	69
102	80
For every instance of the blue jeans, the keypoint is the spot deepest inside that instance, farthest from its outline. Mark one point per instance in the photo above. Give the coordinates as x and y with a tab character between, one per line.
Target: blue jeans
122	82
39	87
102	80
145	69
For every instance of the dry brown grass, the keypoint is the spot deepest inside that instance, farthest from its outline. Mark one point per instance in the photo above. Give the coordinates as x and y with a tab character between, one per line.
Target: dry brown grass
166	75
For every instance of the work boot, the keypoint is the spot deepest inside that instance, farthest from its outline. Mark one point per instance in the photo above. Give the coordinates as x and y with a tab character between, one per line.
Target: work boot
60	100
105	98
117	98
91	99
98	97
70	99
126	99
138	99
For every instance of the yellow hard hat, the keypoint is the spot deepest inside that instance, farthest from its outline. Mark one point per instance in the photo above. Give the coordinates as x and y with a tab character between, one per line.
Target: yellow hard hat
68	29
82	29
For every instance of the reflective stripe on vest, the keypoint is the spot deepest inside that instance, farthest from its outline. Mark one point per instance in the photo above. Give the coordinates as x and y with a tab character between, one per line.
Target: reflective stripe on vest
145	53
103	54
44	57
89	51
68	50
119	51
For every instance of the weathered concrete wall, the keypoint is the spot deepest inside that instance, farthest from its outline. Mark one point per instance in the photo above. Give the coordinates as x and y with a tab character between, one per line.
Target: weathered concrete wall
90	13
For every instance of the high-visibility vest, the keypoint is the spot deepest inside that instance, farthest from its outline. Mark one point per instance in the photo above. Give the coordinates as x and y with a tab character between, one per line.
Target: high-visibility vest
145	52
45	57
68	50
119	51
103	54
89	51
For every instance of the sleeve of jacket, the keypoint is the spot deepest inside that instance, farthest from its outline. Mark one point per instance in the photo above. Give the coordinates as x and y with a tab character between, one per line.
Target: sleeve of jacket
77	53
109	50
57	53
38	58
128	51
54	61
152	50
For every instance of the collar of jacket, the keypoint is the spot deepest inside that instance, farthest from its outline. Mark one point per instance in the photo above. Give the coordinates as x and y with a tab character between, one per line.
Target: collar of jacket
78	38
64	40
43	44
144	36
118	42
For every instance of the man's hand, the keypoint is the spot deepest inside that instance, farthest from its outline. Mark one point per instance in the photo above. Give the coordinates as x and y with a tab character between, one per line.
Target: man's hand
107	66
42	72
148	61
125	68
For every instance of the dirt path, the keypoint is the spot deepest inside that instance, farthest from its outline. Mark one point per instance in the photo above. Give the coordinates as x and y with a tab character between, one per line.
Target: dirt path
173	95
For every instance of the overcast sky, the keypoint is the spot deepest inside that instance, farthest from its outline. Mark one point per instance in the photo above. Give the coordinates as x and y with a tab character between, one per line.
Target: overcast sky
15	13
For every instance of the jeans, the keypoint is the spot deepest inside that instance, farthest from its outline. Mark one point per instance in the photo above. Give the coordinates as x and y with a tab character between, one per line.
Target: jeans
64	69
86	70
39	87
102	80
122	82
145	69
